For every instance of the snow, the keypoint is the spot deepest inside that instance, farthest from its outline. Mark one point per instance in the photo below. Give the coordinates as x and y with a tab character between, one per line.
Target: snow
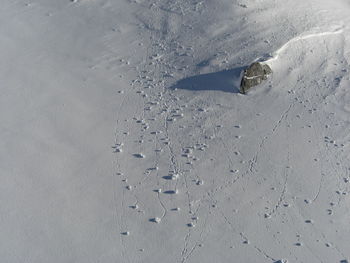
125	139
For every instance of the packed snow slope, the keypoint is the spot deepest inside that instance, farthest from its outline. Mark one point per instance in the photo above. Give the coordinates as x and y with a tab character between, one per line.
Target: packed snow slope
124	138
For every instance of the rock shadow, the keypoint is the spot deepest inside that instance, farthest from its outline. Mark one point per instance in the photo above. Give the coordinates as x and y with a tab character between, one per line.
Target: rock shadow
170	192
226	81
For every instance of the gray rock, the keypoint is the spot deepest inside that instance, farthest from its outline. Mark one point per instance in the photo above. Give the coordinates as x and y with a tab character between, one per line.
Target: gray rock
254	75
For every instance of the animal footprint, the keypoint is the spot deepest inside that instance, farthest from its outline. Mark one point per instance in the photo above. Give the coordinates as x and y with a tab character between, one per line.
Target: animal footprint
139	155
155	220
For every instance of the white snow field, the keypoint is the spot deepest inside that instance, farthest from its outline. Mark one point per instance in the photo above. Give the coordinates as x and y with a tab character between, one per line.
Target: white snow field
124	137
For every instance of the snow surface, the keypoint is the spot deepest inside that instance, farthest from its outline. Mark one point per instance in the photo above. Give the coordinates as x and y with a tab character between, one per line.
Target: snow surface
124	137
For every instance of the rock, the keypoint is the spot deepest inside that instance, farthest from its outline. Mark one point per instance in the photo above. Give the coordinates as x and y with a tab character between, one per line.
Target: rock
254	75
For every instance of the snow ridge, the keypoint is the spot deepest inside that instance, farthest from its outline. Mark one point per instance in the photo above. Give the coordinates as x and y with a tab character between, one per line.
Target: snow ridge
270	58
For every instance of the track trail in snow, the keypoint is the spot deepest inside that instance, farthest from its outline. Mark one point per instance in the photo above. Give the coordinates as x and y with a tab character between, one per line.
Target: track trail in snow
124	138
219	162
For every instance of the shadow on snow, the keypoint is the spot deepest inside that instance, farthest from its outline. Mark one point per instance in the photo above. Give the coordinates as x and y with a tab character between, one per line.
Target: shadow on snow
226	81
